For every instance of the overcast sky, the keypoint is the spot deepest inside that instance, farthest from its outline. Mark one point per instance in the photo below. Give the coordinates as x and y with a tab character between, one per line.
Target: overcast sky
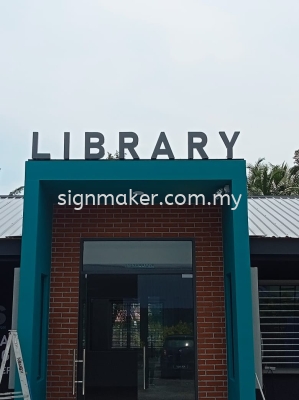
148	66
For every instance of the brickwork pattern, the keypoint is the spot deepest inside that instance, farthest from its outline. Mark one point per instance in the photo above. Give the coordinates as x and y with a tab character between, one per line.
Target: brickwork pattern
198	222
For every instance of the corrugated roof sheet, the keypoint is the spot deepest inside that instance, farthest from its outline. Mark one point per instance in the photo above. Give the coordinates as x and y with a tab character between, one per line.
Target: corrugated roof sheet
269	216
11	216
274	216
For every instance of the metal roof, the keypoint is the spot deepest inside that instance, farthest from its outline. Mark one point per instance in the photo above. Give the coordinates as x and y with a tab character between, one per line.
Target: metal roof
269	216
273	216
11	216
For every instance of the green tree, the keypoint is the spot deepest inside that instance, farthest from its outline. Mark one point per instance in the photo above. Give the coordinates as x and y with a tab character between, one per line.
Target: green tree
17	191
268	179
114	156
295	168
110	156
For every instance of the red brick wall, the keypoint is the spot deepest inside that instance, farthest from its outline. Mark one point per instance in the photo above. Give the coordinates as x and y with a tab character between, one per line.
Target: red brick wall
202	223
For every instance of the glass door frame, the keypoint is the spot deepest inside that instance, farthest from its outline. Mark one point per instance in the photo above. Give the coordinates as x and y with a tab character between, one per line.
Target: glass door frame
79	389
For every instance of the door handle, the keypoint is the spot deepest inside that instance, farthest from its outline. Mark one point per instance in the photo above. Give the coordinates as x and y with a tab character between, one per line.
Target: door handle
84	369
144	365
74	371
75	362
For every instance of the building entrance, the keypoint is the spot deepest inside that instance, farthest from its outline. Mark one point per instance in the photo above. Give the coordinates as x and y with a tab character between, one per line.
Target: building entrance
138	337
136	333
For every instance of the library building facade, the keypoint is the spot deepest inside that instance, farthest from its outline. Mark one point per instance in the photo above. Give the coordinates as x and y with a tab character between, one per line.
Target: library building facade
146	299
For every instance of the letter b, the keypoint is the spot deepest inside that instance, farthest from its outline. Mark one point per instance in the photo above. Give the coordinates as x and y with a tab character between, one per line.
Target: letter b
94	145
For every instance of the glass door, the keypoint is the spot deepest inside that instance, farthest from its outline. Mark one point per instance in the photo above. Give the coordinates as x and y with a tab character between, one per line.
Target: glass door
138	337
167	337
108	338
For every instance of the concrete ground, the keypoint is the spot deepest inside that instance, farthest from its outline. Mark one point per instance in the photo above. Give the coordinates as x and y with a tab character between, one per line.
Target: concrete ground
169	389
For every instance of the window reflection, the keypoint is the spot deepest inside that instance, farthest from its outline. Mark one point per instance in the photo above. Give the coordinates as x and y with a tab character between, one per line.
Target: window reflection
141	337
126	324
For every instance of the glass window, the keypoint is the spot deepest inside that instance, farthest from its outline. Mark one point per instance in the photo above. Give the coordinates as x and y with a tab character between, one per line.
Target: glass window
178	343
136	256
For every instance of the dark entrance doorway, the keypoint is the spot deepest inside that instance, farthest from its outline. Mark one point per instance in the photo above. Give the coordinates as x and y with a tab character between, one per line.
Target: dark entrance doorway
137	335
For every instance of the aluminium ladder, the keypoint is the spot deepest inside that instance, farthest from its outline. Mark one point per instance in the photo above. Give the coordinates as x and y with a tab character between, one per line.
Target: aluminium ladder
259	384
13	340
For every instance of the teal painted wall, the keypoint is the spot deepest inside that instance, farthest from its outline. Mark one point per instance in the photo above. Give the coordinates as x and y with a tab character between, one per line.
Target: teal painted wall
46	179
35	263
241	378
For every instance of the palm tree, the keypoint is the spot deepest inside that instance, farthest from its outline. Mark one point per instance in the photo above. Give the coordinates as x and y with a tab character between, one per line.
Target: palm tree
268	179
